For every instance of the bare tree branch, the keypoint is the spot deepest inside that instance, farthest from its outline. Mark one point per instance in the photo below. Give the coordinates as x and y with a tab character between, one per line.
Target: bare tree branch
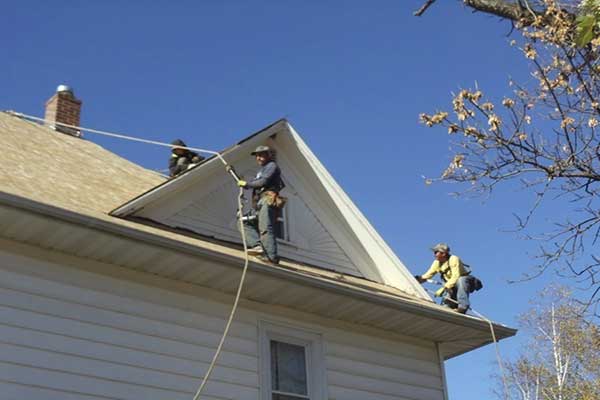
423	8
556	156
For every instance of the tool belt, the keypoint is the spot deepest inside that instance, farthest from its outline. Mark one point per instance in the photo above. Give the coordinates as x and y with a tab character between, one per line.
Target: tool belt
272	199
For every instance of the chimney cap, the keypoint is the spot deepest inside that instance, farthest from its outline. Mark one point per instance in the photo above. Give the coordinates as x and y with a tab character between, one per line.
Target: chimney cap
64	88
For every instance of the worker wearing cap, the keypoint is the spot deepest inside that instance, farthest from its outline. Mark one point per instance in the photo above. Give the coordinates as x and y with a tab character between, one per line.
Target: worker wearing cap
452	270
181	158
267	184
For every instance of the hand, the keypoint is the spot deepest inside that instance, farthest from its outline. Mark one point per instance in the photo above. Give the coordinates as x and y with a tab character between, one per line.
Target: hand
242	183
419	279
440	292
228	168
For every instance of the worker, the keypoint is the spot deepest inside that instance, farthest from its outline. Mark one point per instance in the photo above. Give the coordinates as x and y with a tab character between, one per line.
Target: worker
260	231
458	283
181	158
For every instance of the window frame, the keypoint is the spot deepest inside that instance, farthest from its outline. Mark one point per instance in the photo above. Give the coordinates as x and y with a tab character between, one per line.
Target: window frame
313	351
284	220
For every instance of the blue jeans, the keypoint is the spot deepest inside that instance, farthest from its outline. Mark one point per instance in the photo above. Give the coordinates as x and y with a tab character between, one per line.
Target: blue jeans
460	293
262	230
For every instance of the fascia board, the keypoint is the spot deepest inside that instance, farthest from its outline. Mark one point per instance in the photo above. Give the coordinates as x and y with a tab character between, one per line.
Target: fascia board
376	247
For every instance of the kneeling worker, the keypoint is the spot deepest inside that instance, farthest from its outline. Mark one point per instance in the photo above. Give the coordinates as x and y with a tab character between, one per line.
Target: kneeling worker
260	235
455	275
181	158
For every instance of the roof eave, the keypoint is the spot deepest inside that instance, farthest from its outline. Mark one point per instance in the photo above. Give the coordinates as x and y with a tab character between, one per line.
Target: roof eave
420	308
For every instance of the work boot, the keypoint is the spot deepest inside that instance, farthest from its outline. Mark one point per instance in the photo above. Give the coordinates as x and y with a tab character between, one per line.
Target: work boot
461	310
256	250
266	259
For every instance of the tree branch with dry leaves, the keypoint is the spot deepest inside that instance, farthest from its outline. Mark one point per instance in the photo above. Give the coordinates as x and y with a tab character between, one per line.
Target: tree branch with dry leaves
545	136
522	11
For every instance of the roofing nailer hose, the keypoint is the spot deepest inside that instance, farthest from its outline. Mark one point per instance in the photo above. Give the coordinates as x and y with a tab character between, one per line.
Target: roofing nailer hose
235	303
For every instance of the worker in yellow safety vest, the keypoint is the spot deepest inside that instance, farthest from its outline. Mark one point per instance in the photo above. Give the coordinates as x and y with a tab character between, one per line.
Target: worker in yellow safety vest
458	282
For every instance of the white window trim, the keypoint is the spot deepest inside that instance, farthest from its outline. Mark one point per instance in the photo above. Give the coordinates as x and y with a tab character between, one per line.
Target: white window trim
313	343
285	219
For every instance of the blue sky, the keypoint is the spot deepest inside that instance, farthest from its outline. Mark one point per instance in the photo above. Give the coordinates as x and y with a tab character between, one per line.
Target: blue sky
352	78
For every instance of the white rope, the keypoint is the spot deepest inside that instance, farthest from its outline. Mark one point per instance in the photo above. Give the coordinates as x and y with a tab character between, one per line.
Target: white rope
491	325
235	303
115	135
498	357
240	213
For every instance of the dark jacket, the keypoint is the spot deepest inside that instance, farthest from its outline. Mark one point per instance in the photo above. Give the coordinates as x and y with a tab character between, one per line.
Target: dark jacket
179	163
268	178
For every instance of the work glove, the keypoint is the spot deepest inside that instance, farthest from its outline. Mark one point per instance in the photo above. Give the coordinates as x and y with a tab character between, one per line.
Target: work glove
440	292
419	278
242	183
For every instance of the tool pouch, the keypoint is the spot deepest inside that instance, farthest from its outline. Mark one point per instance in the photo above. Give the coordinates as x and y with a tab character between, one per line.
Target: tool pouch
273	199
475	284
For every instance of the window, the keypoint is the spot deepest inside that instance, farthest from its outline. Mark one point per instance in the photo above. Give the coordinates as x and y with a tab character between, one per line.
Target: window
281	224
288	371
292	364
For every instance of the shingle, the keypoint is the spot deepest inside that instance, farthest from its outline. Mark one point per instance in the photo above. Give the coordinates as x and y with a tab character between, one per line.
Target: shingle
65	171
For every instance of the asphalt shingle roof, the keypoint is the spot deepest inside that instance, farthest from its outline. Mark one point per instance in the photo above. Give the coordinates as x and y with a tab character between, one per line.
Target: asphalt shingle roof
65	171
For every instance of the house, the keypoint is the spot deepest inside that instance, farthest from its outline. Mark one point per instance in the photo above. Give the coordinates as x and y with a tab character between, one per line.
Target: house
116	283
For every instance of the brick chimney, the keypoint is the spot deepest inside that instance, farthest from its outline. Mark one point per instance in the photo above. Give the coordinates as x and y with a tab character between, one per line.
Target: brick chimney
65	108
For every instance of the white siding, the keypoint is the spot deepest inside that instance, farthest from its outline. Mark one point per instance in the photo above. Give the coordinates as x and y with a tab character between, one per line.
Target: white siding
58	340
68	334
363	367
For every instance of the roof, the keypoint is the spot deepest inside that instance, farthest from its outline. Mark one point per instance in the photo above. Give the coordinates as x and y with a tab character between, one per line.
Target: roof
41	164
56	192
309	185
46	166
